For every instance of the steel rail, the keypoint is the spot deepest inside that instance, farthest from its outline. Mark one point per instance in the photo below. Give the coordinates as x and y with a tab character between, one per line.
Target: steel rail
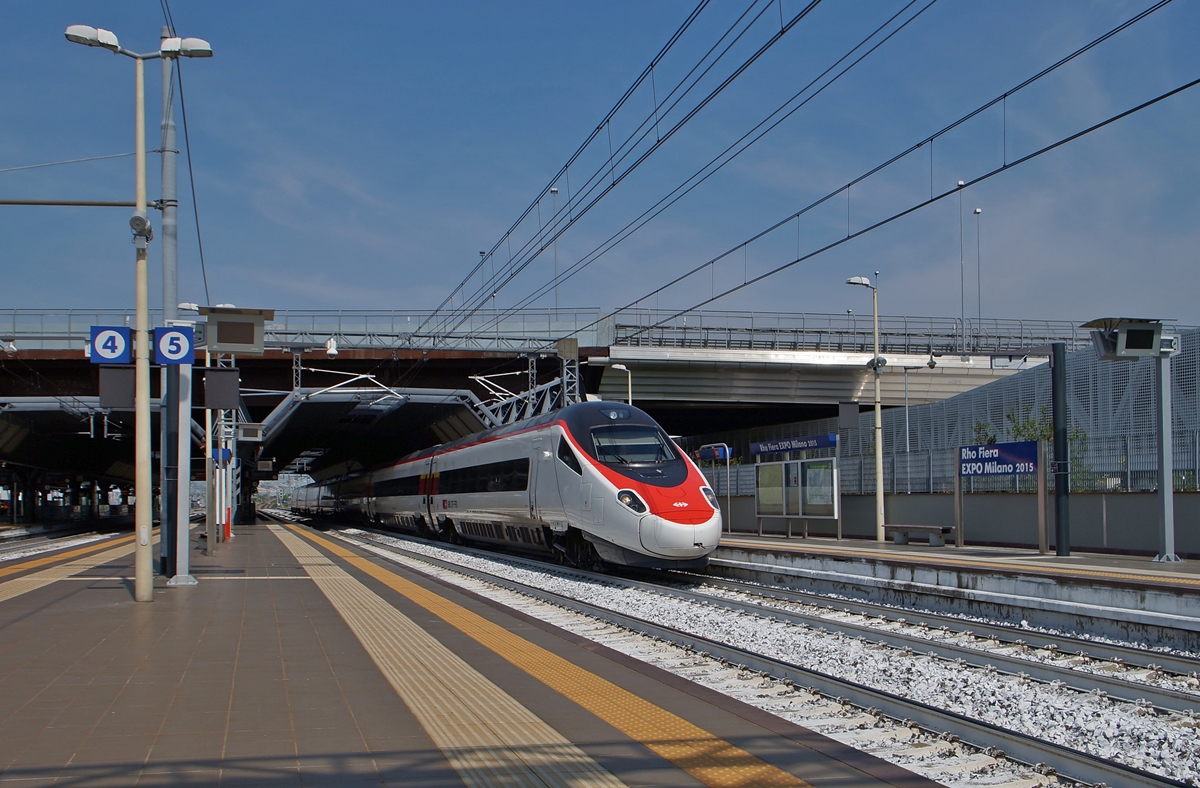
1075	764
1117	688
1129	655
1081	680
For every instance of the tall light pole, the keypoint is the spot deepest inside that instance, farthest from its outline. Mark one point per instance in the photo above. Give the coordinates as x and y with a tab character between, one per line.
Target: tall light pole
876	365
962	274
907	436
554	194
978	266
628	381
142	233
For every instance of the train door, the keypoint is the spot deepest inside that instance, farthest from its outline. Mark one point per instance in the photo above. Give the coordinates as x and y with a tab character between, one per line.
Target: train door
570	482
429	488
546	504
369	502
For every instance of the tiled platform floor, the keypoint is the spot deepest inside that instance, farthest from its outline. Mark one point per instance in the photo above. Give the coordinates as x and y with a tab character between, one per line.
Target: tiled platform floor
258	676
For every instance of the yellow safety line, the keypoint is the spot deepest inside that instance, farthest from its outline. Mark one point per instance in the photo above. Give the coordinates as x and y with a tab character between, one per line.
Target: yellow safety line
964	562
23	585
708	758
488	737
50	559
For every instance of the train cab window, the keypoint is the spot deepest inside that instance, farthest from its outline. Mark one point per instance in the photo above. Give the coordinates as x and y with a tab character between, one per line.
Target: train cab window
630	444
568	456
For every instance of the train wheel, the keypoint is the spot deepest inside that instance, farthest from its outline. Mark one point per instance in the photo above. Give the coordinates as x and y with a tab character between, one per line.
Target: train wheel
574	550
449	532
424	530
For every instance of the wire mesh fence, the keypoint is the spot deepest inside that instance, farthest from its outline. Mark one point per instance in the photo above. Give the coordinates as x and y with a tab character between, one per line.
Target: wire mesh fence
1110	464
1111	410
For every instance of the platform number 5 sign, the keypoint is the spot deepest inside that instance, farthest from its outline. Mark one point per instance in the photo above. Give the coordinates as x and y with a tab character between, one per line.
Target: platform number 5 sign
111	345
174	345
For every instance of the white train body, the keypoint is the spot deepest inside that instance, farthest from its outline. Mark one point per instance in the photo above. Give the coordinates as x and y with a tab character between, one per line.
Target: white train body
593	481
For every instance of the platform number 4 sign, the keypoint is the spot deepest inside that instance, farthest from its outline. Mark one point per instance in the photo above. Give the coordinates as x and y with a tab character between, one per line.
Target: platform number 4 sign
174	345
111	345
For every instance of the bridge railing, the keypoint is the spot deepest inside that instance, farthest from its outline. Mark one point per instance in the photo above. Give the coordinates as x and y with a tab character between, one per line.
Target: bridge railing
45	329
56	329
837	333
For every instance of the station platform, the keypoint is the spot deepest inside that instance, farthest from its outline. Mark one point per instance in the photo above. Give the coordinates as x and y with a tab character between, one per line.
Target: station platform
1142	571
298	660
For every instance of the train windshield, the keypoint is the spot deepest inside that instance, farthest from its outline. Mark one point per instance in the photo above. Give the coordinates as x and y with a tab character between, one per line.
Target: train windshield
631	444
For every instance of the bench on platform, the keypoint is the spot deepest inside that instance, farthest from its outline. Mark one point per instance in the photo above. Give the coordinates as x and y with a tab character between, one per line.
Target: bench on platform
937	533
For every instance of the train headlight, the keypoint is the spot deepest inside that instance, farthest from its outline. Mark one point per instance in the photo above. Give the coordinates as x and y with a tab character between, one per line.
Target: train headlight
629	498
711	496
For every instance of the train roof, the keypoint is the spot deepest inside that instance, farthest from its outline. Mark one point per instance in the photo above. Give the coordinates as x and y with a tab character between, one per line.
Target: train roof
579	418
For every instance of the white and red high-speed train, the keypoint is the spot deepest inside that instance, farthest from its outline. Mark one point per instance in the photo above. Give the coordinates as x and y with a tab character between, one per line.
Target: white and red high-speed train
593	483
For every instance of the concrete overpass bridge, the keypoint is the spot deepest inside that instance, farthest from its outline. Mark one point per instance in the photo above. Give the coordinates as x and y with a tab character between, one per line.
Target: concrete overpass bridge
694	372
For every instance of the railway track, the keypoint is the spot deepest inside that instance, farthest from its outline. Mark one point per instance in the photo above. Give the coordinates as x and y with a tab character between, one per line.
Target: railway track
991	740
22	546
1124	672
1132	657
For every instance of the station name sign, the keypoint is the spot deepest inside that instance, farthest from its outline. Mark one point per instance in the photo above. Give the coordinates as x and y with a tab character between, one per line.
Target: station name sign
794	444
998	459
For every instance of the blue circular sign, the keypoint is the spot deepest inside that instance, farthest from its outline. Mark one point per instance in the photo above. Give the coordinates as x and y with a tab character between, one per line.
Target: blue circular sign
109	345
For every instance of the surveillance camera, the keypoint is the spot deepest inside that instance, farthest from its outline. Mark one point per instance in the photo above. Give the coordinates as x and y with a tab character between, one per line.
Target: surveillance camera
931	363
331	348
139	223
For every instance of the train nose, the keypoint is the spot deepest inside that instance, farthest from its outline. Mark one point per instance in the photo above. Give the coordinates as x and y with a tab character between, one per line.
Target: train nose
679	540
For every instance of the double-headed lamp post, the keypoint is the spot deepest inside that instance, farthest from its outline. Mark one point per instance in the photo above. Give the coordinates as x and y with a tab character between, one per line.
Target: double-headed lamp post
876	365
142	233
628	381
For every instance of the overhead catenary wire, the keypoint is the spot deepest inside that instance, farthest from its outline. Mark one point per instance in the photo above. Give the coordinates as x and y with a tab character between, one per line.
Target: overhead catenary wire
187	145
987	175
67	161
1006	166
578	152
605	178
616	238
526	256
735	149
166	9
484	293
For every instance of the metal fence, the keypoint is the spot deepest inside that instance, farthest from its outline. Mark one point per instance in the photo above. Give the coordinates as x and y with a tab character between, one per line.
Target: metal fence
45	329
1109	465
840	333
1121	464
1111	408
57	329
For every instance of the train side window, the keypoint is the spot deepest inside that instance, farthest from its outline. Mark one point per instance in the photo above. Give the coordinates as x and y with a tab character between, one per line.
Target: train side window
568	456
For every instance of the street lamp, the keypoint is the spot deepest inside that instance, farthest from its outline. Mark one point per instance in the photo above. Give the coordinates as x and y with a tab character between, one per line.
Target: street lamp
876	365
142	233
629	381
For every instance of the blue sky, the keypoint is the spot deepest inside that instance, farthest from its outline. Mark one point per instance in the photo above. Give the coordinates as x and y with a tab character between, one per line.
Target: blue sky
359	155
